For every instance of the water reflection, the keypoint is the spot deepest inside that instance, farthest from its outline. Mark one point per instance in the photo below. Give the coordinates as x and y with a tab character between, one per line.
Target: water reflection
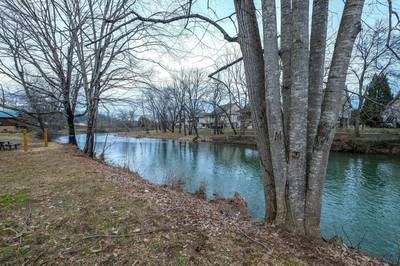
361	193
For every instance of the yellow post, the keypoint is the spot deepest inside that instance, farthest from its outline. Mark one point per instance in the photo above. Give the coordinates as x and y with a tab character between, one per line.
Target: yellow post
46	138
25	140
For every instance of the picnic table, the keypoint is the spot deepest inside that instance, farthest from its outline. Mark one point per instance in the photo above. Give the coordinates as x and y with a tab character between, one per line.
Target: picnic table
4	145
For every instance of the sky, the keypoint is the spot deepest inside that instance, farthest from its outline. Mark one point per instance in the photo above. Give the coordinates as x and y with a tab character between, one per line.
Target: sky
203	46
205	50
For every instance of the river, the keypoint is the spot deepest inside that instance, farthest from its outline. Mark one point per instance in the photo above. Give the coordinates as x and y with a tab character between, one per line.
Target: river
361	200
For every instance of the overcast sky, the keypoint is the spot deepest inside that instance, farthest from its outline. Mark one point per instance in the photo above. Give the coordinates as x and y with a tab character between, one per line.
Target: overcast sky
203	46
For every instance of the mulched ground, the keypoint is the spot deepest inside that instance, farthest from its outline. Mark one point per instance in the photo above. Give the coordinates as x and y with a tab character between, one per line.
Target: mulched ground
59	207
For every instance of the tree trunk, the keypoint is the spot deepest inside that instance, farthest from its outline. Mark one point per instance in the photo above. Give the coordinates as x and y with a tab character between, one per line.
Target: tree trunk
91	129
316	69
273	110
70	122
285	52
333	99
250	45
298	113
357	117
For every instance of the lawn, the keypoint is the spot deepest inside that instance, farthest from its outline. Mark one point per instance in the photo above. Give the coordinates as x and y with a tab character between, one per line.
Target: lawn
369	130
11	137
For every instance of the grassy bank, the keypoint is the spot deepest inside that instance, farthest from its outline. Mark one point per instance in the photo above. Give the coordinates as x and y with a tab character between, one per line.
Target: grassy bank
371	140
59	207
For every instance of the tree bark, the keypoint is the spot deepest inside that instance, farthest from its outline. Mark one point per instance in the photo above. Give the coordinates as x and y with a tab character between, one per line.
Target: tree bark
275	124
349	28
250	45
71	126
298	113
285	52
91	128
316	66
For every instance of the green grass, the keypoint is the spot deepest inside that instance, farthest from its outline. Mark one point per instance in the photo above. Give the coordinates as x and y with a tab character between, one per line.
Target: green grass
10	136
11	199
369	130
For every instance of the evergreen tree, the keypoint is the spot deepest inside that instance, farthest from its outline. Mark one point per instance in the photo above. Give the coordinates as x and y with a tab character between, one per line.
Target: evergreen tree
378	95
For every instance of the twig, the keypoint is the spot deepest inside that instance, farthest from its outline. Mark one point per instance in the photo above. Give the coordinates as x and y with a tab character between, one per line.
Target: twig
252	239
33	262
72	251
126	235
76	250
26	222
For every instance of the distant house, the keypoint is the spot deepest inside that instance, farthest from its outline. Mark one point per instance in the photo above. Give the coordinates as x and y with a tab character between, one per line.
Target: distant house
229	115
346	114
8	121
225	116
205	120
245	118
391	114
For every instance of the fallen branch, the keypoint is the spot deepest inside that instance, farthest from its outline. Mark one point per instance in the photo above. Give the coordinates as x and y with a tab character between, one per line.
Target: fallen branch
127	235
33	262
76	250
26	222
252	239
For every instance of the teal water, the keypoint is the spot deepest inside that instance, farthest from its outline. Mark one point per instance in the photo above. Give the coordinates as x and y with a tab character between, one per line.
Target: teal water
361	202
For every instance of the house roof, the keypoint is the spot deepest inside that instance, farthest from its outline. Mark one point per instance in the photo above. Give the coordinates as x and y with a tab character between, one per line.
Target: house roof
5	113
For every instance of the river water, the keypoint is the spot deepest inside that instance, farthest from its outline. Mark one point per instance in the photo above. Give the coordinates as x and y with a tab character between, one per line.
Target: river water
361	201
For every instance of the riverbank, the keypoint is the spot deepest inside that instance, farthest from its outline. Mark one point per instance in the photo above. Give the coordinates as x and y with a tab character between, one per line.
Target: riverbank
372	141
58	206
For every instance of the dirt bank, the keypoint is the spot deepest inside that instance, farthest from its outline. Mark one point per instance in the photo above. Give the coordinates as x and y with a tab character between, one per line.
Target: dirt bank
57	206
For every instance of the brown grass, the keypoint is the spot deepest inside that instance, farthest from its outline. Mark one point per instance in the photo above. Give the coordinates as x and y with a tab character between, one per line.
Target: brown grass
59	207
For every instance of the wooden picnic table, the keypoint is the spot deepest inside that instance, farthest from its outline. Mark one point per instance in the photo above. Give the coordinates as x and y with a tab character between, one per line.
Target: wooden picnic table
9	145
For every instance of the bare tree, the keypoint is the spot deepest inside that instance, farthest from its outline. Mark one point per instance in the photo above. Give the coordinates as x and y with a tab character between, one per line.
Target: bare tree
371	56
107	53
158	102
193	82
43	46
178	90
234	83
215	98
393	39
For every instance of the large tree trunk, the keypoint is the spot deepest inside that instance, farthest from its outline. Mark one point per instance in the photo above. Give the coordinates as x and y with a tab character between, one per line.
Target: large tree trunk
333	99
298	113
250	45
285	52
316	74
293	153
274	110
316	69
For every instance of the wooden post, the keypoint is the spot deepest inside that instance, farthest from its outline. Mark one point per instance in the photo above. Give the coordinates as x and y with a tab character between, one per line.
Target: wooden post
46	137
25	140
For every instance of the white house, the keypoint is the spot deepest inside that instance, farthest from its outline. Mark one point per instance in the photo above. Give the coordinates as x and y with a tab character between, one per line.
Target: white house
226	115
391	114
